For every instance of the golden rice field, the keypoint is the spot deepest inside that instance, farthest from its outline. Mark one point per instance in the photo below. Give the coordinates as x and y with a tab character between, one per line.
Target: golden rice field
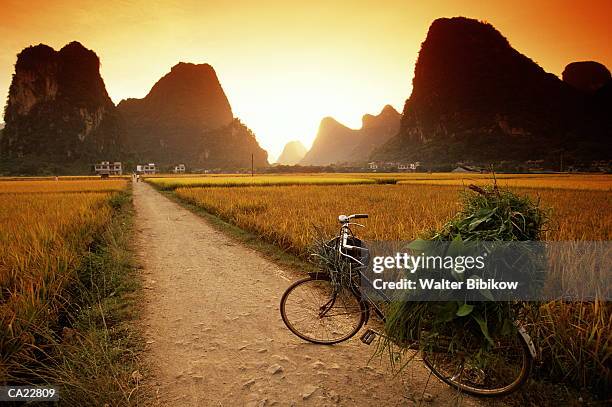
62	178
571	179
233	181
45	227
582	182
288	215
540	181
51	186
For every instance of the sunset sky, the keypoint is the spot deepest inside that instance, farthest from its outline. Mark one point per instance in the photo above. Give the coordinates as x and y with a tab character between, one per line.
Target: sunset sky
286	64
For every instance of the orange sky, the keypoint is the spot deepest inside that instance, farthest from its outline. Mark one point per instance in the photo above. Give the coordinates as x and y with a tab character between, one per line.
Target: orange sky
286	64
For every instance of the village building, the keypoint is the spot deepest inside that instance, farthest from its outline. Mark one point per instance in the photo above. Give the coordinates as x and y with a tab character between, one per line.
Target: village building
179	169
535	165
465	168
106	168
146	168
393	166
408	166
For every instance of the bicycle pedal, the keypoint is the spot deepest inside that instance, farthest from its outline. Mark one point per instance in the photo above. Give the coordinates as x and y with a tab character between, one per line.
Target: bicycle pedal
368	336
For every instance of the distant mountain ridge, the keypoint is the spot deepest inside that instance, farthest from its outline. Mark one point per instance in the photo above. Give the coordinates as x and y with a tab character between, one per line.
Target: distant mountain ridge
190	94
376	131
58	110
186	118
293	152
336	143
60	119
477	99
333	143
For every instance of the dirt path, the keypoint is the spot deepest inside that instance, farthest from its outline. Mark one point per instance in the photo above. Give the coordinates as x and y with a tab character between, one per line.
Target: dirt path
215	336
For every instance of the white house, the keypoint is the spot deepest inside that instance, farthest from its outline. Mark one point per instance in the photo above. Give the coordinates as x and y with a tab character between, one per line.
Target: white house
179	169
107	168
146	168
405	166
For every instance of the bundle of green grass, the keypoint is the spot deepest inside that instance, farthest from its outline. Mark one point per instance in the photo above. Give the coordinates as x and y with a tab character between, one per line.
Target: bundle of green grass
494	214
488	214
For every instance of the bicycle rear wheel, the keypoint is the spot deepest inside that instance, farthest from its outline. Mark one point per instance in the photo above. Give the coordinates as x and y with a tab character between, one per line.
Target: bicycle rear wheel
317	312
462	364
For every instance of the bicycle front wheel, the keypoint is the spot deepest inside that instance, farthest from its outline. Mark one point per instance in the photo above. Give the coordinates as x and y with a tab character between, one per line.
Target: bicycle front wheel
316	312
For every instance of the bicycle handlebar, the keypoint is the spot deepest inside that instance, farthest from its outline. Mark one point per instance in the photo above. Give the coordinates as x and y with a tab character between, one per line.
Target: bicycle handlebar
345	219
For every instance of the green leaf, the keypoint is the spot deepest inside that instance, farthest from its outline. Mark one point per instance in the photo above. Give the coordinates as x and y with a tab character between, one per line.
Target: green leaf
455	247
457	275
446	312
482	215
419	245
476	222
485	293
483	327
464	310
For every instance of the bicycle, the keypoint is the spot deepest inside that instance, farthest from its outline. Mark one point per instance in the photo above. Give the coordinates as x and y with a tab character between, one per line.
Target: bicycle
319	310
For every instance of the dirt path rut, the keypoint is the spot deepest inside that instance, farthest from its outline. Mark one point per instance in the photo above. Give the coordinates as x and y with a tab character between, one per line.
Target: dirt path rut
215	336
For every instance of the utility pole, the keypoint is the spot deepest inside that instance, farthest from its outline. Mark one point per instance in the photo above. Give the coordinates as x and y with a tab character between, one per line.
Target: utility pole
252	168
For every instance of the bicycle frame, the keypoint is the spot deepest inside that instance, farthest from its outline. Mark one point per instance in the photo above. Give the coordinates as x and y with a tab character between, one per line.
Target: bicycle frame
345	234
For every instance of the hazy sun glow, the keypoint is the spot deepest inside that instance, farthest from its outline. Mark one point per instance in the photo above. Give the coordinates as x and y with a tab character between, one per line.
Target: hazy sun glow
286	64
